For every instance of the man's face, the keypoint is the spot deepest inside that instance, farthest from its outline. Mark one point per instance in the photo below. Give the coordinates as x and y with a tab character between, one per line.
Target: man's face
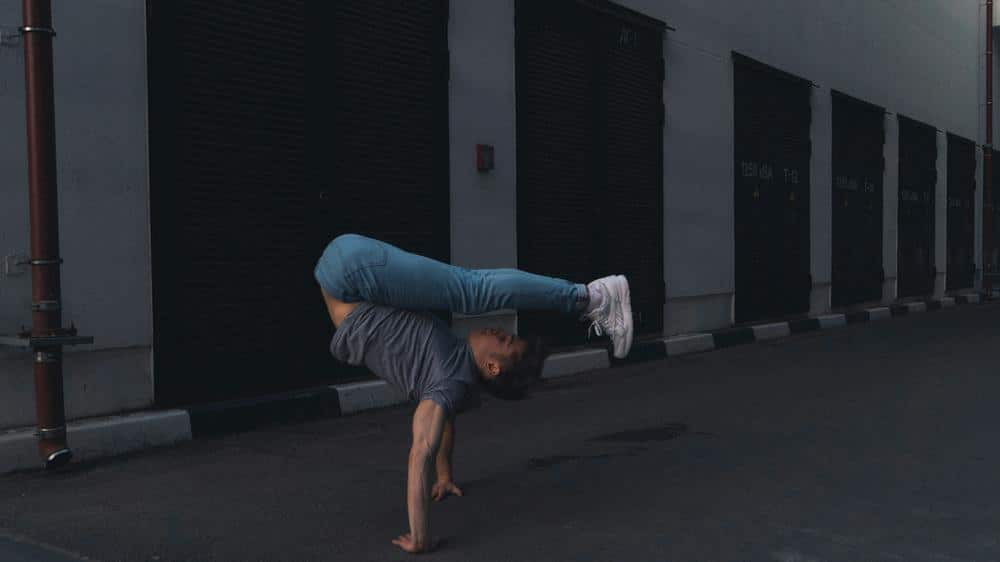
503	347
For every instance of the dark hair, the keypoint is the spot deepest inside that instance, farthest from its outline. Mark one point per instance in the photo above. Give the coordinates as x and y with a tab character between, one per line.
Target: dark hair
524	372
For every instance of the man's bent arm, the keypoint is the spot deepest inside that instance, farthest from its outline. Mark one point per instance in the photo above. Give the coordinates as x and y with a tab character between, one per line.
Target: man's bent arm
428	425
444	455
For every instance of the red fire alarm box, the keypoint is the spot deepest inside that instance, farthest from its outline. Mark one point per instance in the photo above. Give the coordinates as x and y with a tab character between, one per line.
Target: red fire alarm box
484	157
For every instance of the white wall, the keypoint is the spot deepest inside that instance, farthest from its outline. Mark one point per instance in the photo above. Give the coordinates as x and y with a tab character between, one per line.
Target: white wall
821	200
100	84
920	57
481	98
890	210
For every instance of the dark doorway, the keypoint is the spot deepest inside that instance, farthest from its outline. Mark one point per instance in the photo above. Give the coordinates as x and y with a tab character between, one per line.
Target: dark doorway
961	270
274	128
590	154
858	166
772	148
917	181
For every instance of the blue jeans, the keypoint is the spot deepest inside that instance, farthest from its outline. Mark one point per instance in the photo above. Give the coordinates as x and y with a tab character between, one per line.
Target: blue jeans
354	268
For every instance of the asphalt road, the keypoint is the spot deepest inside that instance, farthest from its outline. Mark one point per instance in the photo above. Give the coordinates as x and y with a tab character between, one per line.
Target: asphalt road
873	442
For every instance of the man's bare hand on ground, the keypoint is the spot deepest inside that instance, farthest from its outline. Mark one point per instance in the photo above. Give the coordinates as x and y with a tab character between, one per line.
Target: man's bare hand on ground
443	489
407	543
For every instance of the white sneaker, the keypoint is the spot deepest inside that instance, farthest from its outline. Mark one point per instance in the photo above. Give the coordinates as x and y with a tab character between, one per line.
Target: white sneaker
614	317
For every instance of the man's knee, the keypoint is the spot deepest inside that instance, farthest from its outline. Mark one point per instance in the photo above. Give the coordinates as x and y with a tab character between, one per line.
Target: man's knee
353	252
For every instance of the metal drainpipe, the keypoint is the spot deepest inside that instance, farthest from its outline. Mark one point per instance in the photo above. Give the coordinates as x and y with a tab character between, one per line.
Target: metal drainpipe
46	314
988	242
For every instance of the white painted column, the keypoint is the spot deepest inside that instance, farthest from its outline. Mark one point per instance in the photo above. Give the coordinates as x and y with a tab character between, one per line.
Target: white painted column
890	211
482	110
698	186
821	201
941	216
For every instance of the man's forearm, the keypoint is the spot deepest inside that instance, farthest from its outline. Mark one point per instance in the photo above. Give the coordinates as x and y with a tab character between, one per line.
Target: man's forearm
418	493
444	454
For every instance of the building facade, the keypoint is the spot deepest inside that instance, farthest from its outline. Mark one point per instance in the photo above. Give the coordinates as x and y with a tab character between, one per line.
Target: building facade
740	161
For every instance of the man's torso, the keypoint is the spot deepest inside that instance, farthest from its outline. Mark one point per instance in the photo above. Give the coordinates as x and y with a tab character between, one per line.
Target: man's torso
415	352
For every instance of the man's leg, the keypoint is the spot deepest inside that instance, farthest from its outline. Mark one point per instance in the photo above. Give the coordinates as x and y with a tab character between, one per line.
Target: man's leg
355	268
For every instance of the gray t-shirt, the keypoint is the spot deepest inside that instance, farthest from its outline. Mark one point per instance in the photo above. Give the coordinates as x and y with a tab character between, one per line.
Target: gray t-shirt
415	352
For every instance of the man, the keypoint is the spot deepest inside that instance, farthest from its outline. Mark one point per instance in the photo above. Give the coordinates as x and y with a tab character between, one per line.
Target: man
374	292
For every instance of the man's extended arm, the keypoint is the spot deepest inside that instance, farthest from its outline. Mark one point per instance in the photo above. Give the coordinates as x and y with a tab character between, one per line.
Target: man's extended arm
428	425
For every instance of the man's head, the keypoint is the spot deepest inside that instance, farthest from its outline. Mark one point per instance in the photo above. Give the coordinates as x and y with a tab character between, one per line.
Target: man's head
507	364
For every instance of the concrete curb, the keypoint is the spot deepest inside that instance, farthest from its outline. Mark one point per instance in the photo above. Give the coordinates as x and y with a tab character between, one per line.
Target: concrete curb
367	395
563	364
772	331
99	437
95	438
686	345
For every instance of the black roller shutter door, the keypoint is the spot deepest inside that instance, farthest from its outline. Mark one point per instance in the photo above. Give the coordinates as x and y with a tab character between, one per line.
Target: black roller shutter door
231	210
631	202
961	213
380	139
589	154
917	181
858	165
242	209
772	148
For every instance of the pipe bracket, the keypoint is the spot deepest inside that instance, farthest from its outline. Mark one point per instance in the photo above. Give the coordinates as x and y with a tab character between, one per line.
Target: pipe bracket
49	433
56	261
47	357
45	306
34	29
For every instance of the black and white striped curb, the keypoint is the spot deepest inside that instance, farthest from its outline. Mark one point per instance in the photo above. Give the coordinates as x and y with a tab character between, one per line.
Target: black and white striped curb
116	435
572	363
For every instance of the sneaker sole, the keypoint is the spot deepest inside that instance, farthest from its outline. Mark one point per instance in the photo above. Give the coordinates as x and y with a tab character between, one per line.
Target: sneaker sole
625	298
